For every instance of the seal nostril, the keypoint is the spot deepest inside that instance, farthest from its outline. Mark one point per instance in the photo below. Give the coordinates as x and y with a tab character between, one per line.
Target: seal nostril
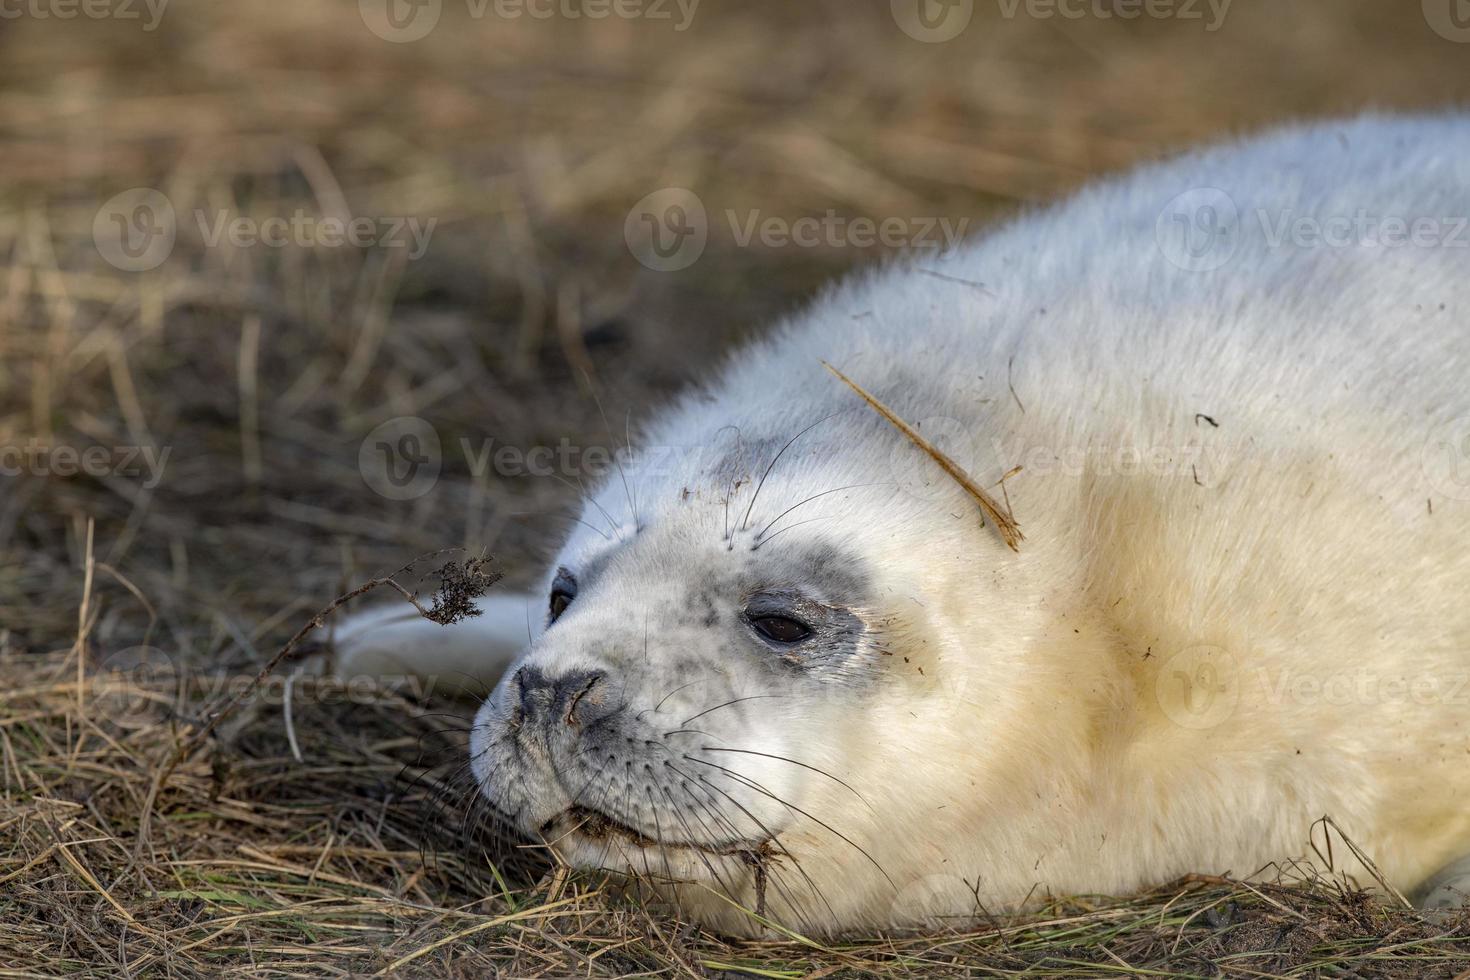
577	697
584	683
531	687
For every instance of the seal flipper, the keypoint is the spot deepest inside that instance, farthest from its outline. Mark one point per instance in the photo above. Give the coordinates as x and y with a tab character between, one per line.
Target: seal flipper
1447	893
467	657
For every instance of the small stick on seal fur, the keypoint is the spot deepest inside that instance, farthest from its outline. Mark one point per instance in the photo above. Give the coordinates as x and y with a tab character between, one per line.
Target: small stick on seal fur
1004	522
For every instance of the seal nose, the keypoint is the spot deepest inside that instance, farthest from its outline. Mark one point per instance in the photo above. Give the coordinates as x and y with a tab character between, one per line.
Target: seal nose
576	698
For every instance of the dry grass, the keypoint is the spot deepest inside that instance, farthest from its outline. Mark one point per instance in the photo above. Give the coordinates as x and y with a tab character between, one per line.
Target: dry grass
351	863
1004	522
334	844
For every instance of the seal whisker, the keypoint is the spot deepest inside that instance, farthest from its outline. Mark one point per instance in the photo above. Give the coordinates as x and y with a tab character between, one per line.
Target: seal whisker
753	697
449	797
581	488
771	840
771	872
658	831
730	490
577	796
607	841
775	878
757	546
701	680
473	831
647	871
854	486
698	852
592	527
776	459
628	450
627	447
747	781
782	758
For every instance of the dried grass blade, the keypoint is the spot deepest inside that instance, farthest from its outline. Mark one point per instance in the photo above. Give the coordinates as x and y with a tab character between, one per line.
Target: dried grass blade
1004	522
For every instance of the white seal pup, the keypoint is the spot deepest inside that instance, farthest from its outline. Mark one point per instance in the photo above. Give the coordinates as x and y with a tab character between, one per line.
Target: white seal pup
787	669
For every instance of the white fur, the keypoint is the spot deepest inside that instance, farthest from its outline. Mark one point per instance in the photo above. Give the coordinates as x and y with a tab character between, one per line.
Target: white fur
1049	744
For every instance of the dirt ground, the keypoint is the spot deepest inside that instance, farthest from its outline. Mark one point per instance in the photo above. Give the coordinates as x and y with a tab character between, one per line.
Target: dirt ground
189	418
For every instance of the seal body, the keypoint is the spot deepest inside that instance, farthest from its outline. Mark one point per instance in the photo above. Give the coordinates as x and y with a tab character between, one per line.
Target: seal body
791	671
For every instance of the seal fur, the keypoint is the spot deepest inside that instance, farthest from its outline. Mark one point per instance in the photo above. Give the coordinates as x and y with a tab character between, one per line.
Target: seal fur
1241	603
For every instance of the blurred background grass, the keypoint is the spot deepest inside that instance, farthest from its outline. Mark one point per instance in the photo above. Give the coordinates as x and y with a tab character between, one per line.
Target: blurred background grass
526	141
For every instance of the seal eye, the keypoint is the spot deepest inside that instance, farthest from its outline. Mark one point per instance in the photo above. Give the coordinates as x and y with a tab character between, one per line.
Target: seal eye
781	629
563	591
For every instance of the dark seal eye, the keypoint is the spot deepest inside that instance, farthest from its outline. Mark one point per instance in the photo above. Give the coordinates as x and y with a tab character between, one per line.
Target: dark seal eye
563	591
781	629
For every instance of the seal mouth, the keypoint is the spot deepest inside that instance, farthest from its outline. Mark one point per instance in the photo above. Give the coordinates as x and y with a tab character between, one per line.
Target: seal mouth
596	825
758	856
